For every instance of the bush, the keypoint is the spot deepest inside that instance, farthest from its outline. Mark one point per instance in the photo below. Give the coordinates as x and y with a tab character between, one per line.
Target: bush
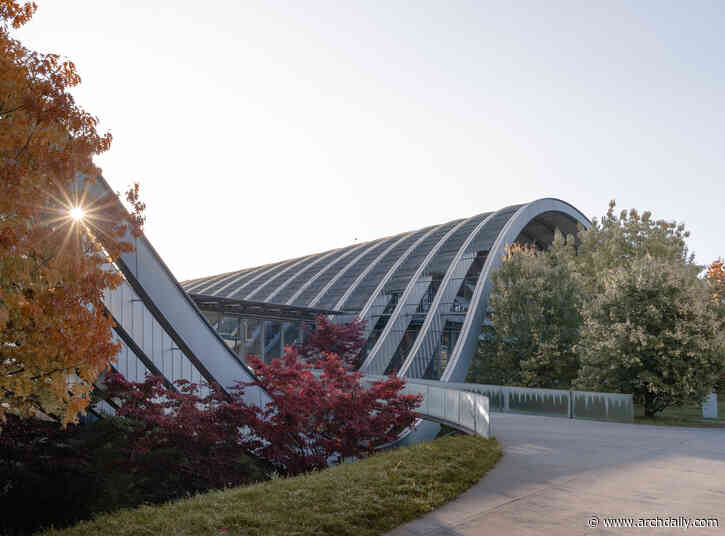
194	440
344	340
311	419
162	445
166	443
44	466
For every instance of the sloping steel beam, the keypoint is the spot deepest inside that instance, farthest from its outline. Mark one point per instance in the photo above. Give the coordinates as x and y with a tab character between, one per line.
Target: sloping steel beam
462	354
365	312
207	282
428	338
275	276
382	352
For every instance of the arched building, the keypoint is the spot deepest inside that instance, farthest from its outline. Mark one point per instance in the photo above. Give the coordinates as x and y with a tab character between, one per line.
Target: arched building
423	294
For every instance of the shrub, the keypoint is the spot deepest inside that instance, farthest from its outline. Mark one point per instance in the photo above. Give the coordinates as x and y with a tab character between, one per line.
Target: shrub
344	340
311	419
163	444
43	469
176	431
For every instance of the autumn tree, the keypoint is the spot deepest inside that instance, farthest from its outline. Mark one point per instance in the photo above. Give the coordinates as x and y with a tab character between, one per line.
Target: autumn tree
344	340
54	335
716	277
535	317
312	418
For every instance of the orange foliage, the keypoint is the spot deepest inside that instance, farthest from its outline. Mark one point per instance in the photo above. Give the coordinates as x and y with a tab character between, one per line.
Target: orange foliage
518	249
54	336
716	275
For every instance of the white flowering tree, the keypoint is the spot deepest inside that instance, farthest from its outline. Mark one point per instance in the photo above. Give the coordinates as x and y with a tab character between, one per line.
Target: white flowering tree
624	311
653	331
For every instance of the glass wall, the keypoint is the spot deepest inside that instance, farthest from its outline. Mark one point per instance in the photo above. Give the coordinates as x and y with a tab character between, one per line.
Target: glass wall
252	328
272	340
448	340
292	333
212	317
265	338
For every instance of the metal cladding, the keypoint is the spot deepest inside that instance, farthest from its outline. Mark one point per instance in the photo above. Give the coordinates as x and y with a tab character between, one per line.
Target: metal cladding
423	294
159	327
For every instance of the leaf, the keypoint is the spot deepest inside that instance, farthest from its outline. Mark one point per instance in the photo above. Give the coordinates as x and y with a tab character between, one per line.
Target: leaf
52	273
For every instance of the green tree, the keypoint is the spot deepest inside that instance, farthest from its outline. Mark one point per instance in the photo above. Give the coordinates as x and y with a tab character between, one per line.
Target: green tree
540	301
535	319
652	331
617	240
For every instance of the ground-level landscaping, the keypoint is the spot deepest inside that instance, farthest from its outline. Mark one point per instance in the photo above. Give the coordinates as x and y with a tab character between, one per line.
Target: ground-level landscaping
364	498
690	415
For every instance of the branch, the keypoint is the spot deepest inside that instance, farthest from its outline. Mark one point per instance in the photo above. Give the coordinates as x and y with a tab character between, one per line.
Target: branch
6	113
27	142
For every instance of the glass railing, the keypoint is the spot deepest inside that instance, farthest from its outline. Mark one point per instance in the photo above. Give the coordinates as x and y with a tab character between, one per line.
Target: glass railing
458	409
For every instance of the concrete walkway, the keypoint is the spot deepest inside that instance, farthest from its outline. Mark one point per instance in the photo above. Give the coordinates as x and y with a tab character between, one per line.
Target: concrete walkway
556	474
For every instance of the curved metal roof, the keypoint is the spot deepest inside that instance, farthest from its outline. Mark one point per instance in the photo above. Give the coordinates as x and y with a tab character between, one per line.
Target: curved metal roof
406	287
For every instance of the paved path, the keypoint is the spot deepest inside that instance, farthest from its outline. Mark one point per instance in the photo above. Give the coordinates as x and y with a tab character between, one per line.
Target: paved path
556	474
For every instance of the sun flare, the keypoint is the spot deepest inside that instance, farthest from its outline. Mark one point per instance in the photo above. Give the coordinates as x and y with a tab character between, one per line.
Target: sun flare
77	213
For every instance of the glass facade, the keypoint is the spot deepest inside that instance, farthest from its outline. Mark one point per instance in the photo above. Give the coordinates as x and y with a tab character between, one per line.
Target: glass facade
252	345
252	335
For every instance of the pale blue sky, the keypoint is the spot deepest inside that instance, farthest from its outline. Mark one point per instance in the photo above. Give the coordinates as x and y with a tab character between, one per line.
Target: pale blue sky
267	130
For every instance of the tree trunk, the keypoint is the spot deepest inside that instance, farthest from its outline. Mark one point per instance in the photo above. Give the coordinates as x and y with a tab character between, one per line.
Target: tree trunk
650	408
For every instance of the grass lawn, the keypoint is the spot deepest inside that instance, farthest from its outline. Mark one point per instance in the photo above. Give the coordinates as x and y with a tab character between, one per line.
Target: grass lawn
684	416
363	498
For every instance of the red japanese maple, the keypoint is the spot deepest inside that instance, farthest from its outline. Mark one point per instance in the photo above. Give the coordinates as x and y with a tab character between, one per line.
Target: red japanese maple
345	340
315	415
318	414
203	431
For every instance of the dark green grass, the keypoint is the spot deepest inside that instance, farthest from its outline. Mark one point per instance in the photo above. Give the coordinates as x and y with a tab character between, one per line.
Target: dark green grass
684	416
364	498
447	431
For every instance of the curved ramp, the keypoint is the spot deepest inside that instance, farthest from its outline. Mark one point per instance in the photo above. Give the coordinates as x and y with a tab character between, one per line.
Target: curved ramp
445	404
